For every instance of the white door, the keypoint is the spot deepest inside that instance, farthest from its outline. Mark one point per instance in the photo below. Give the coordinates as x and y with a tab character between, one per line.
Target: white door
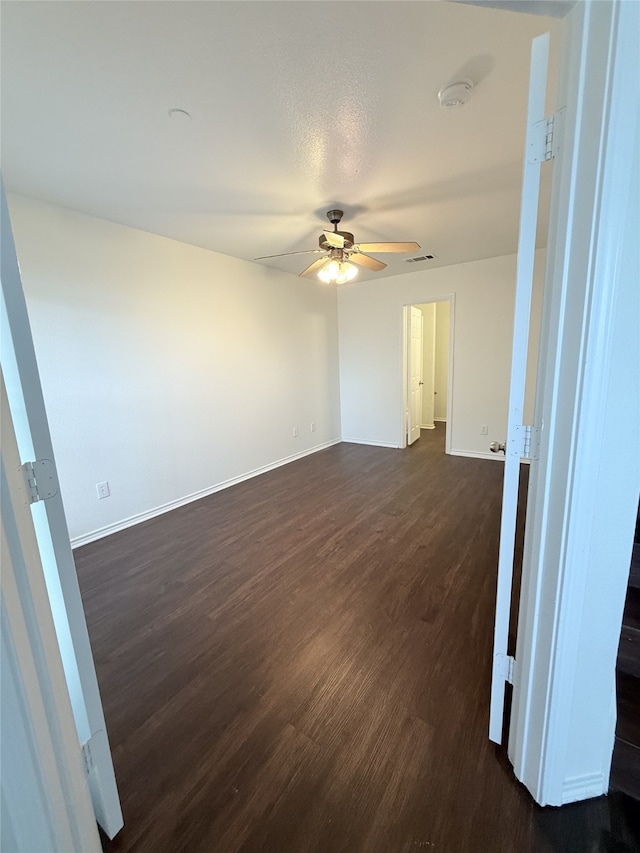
45	797
26	402
415	374
521	440
428	364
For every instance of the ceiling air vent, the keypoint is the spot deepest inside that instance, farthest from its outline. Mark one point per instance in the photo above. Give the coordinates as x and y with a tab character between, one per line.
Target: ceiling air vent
420	258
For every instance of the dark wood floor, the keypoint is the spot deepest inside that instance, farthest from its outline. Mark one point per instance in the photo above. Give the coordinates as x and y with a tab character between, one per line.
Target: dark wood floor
625	768
301	663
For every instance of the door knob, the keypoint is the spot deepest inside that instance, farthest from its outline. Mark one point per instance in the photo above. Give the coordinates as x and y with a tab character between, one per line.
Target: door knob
497	447
421	382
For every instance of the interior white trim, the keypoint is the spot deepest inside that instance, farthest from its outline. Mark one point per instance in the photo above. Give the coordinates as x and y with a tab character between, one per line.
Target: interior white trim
108	529
440	420
494	457
521	338
564	699
371	443
45	796
583	787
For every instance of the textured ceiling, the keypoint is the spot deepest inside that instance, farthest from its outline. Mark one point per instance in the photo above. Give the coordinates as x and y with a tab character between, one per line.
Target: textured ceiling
296	107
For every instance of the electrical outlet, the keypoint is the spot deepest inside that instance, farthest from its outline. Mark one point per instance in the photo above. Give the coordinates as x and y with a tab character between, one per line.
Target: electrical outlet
484	430
295	432
312	426
103	490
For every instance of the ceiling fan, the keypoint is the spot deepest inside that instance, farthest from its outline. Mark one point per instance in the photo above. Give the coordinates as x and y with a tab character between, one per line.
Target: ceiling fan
340	252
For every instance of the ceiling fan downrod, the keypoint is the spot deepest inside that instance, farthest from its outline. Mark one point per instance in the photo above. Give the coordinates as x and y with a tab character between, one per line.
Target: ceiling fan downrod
334	217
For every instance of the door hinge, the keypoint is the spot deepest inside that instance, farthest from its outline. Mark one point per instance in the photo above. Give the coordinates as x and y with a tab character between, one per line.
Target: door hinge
503	667
87	756
41	480
526	441
544	138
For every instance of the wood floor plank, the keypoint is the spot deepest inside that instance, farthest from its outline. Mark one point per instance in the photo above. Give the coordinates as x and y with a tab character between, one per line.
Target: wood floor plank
301	664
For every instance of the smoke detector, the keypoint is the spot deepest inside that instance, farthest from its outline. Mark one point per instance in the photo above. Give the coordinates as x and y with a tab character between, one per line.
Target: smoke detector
455	95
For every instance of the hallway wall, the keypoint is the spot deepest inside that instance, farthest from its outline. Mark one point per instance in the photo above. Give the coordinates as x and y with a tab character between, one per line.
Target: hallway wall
371	350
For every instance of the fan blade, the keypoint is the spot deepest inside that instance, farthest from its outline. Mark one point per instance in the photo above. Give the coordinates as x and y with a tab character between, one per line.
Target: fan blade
365	261
284	254
388	247
336	241
314	267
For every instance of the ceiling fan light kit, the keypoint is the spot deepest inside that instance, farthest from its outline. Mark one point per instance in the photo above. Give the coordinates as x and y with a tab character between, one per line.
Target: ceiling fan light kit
341	252
339	271
455	95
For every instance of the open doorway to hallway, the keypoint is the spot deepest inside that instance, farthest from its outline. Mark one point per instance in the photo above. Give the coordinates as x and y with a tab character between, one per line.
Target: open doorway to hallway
428	369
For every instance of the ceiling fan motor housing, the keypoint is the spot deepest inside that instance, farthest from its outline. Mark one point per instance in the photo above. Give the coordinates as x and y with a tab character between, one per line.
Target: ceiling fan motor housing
349	240
334	217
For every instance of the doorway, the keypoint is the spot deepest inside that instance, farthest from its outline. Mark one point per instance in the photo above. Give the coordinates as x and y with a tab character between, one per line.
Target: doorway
427	368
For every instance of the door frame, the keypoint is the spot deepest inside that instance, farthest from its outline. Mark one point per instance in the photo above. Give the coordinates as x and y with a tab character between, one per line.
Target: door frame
29	414
582	497
43	759
410	423
404	361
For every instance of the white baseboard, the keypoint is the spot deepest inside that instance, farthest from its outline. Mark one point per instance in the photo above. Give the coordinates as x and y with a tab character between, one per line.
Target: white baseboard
371	443
584	787
440	420
424	426
101	532
473	455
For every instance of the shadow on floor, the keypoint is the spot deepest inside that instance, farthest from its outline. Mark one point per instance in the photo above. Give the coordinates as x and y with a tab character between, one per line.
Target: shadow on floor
606	825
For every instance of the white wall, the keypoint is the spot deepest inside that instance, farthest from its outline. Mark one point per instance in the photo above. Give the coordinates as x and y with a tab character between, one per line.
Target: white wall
168	369
371	350
442	361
